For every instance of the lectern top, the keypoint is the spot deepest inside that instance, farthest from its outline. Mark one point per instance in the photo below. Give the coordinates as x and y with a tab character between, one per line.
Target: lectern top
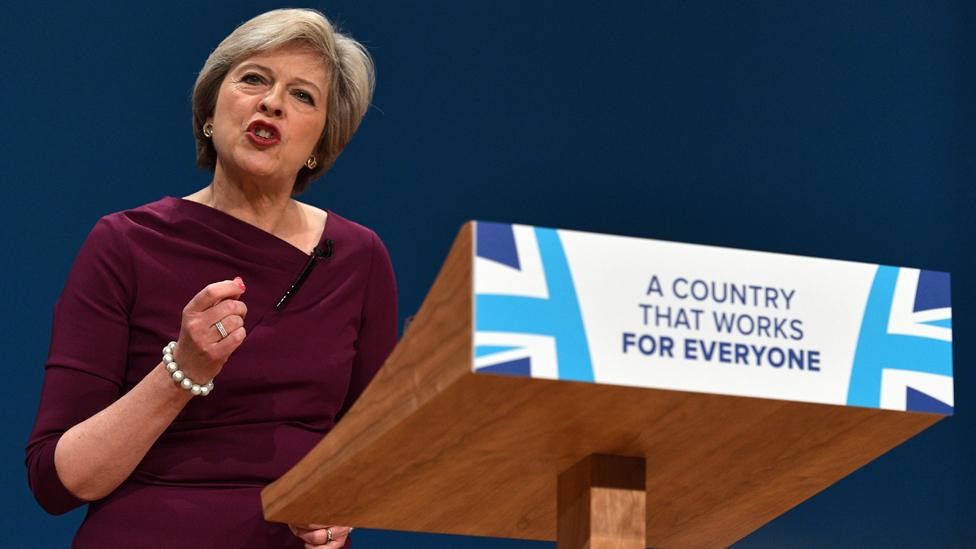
538	347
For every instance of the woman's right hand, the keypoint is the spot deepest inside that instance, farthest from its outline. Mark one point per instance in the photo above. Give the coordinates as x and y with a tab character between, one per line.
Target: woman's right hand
201	351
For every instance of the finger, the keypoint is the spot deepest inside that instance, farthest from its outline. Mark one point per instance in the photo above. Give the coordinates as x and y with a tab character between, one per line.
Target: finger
310	527
213	294
316	537
301	532
233	340
230	324
224	309
319	536
339	536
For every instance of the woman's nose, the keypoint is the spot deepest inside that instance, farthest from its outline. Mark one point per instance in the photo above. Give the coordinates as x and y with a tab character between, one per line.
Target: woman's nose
271	104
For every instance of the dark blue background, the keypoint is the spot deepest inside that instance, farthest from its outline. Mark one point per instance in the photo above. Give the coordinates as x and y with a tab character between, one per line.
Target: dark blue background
837	129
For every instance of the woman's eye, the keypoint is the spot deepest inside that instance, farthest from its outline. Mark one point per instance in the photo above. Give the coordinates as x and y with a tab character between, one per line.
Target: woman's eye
251	78
304	96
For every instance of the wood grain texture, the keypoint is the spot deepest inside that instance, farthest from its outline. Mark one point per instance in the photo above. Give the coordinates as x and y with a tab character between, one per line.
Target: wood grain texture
601	504
433	447
419	368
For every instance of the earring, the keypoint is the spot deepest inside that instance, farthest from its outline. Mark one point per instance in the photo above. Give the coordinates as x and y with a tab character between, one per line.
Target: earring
208	129
311	163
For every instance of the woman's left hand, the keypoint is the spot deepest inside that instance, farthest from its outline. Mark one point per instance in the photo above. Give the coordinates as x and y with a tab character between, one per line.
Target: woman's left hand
316	536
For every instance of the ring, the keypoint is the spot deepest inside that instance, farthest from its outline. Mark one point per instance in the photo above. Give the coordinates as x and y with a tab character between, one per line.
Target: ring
328	534
221	329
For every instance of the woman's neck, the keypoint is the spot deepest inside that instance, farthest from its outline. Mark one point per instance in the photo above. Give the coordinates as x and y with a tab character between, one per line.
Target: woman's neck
263	205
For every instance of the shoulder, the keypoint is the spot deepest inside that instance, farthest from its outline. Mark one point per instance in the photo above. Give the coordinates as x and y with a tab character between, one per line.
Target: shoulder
312	211
345	232
124	222
117	238
106	260
315	216
358	246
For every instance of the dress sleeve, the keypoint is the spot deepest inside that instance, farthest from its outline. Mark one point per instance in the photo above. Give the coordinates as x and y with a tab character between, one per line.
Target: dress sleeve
378	324
87	358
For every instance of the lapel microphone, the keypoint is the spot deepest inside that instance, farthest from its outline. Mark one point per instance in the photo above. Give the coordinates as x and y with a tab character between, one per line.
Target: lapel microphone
317	253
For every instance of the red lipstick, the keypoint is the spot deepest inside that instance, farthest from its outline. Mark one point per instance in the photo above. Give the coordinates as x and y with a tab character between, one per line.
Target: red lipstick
263	134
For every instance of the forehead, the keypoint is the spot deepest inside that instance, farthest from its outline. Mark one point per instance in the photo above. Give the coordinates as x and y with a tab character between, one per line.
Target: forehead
292	60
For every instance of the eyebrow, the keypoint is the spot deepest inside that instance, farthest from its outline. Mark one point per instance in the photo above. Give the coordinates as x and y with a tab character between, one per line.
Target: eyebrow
298	79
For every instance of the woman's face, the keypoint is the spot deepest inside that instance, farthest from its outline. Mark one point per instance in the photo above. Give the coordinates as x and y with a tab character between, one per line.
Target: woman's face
270	113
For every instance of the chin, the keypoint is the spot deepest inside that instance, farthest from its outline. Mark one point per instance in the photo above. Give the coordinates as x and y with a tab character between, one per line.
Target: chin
259	169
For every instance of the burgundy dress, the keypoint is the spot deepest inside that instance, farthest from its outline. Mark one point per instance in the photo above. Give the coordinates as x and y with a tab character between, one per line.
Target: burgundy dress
281	391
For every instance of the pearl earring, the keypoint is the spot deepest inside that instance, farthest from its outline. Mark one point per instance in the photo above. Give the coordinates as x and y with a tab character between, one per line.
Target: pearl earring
311	163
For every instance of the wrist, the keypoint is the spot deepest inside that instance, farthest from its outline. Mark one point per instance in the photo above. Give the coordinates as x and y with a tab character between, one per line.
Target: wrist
165	385
179	377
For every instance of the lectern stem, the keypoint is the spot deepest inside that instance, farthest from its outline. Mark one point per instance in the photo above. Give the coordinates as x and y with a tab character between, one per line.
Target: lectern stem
602	504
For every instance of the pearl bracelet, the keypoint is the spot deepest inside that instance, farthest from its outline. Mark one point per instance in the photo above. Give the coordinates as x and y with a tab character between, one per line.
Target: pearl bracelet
179	377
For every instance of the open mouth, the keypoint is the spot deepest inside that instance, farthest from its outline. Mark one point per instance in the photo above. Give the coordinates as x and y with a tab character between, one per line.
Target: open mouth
263	133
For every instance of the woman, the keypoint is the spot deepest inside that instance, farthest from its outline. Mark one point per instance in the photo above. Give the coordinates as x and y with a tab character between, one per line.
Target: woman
280	312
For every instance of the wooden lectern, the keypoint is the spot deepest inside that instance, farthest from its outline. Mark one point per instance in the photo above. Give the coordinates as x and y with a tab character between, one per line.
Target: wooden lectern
432	446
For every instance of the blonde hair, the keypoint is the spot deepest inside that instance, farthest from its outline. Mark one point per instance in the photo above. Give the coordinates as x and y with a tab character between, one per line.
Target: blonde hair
350	68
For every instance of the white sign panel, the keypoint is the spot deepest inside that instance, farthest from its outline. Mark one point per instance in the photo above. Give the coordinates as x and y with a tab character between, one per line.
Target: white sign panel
578	306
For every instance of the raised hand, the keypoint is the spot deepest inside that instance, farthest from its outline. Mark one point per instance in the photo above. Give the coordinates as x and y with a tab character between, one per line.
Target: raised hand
202	349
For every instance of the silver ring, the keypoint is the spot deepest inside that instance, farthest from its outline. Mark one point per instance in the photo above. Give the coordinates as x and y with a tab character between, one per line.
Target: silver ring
328	533
221	329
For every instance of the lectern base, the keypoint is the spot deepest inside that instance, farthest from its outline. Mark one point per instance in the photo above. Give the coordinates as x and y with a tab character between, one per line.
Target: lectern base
602	504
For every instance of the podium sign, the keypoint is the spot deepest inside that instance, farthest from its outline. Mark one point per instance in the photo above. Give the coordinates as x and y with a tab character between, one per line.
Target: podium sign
622	392
577	306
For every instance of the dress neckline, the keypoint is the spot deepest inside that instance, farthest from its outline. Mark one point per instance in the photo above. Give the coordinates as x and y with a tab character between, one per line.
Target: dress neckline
244	231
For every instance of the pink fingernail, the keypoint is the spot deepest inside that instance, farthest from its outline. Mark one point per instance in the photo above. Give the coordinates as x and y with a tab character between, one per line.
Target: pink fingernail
240	282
